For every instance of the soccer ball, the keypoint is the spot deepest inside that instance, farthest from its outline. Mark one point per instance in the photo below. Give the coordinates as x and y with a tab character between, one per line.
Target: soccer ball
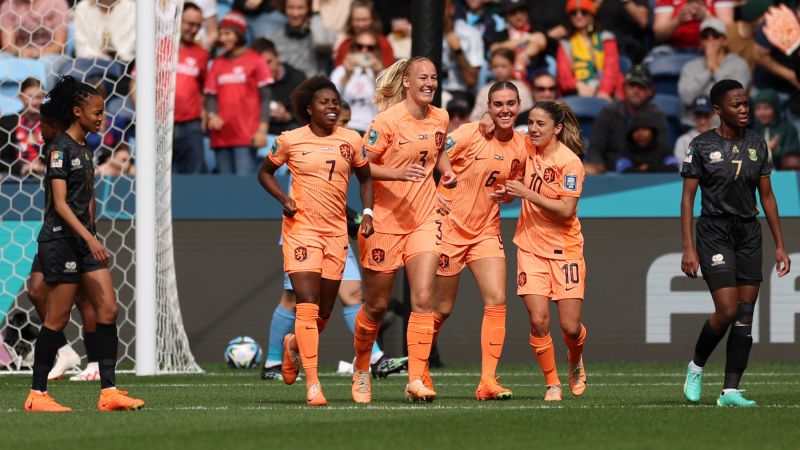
243	352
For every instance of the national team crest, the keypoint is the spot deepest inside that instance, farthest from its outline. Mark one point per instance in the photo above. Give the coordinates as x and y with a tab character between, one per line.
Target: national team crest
378	255
346	150
522	279
515	165
549	175
300	253
438	138
752	154
444	261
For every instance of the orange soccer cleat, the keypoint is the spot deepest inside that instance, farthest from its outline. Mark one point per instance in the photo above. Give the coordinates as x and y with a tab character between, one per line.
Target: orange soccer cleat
315	397
416	391
291	361
553	393
41	402
490	389
577	378
361	390
113	399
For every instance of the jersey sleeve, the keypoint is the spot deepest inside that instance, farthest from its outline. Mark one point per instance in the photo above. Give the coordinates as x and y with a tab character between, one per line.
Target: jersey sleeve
359	157
572	179
457	143
279	153
58	164
766	166
378	137
211	80
692	162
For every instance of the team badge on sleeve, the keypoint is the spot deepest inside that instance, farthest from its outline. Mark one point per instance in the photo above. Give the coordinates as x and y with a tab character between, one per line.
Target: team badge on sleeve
56	159
571	182
372	136
688	158
449	144
275	146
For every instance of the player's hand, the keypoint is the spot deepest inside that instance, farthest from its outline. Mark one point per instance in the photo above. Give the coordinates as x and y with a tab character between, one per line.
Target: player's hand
366	226
448	179
782	262
99	252
690	263
500	194
215	122
782	28
486	126
515	189
289	208
444	204
412	172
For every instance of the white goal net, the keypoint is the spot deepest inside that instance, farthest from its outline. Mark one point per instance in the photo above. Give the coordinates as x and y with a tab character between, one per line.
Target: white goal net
94	42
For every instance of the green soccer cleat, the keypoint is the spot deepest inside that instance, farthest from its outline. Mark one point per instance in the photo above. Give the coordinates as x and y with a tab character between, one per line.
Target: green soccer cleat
735	398
693	386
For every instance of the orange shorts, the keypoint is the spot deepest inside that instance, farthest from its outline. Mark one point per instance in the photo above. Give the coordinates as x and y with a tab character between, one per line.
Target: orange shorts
455	256
553	278
386	253
325	255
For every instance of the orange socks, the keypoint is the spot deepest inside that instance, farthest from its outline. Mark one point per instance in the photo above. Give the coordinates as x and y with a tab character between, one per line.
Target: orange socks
420	339
493	335
545	353
575	347
438	321
363	338
307	337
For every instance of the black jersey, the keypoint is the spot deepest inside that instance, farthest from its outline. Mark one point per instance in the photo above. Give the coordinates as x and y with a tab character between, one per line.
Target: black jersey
70	161
729	171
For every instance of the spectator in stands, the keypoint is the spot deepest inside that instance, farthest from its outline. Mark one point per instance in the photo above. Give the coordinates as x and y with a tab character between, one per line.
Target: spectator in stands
262	16
345	114
628	20
362	18
458	108
741	34
355	78
528	46
714	63
676	23
642	152
237	99
400	37
790	161
187	137
502	64
34	29
116	163
20	134
774	68
305	42
779	134
335	15
588	59
207	36
105	29
548	17
610	130
703	118
287	78
544	89
484	21
462	53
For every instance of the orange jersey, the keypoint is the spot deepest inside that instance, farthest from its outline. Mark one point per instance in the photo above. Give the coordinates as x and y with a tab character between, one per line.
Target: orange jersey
480	165
538	231
320	168
398	139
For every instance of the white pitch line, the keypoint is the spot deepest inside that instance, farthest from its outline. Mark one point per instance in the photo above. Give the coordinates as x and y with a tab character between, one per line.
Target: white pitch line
459	385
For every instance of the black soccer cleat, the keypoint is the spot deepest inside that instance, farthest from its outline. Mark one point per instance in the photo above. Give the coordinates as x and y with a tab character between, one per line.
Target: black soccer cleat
387	366
271	373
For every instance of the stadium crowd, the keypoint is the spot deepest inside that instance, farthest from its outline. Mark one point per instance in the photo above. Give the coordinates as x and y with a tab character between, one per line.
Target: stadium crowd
636	72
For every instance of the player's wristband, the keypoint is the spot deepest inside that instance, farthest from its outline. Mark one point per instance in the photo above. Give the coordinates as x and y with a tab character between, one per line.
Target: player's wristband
367	212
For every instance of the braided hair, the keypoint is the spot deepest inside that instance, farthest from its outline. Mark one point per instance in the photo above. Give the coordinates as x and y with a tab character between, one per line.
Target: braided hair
60	102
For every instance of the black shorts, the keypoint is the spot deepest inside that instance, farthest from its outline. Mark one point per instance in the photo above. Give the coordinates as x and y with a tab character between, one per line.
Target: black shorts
64	260
36	265
726	244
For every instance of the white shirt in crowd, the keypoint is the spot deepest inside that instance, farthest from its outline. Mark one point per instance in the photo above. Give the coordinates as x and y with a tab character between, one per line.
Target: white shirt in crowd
357	91
97	33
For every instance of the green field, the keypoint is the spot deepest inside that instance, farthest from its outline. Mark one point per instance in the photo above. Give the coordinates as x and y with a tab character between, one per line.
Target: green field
626	406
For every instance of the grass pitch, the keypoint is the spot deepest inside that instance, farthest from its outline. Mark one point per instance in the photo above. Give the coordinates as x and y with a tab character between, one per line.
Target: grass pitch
626	406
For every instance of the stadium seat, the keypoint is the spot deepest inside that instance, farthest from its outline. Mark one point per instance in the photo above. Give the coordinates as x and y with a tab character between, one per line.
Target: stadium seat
666	70
672	107
13	71
9	105
585	109
625	64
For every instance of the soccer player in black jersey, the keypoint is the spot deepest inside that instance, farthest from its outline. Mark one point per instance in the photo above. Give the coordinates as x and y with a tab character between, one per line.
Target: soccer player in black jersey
70	253
729	164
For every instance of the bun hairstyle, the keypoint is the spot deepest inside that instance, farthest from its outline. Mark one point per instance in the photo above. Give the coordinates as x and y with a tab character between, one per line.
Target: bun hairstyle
389	89
562	115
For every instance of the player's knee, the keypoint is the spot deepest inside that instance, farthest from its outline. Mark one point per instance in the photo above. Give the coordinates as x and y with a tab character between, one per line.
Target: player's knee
36	293
540	324
107	312
571	328
351	295
744	313
56	322
376	308
727	314
497	299
422	299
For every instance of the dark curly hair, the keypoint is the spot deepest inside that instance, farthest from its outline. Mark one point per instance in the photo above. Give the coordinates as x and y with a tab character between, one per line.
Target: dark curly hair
303	94
66	95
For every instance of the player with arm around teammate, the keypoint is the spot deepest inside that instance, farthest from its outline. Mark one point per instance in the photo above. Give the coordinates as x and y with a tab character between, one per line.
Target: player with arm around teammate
729	164
472	224
550	264
320	157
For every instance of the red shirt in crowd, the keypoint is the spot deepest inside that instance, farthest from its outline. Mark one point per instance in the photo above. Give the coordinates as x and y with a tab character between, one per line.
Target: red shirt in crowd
687	34
236	82
189	82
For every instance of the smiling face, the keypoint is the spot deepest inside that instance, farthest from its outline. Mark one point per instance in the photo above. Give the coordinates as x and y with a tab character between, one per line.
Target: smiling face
228	39
297	12
90	114
190	25
421	82
503	108
324	109
542	128
735	109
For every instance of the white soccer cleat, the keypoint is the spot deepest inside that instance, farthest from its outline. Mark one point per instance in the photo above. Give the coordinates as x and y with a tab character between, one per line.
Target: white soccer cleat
66	359
90	373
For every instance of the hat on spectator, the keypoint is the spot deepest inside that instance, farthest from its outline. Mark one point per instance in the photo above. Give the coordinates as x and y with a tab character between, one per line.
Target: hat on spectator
639	75
712	23
702	105
586	5
236	21
513	5
754	9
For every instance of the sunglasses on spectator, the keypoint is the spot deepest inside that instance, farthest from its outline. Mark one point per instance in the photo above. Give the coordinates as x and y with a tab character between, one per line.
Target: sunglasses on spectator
708	34
582	12
362	47
544	88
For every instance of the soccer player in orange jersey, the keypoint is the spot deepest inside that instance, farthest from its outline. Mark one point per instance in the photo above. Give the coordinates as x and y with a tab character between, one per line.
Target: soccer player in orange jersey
550	263
320	157
404	144
472	225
